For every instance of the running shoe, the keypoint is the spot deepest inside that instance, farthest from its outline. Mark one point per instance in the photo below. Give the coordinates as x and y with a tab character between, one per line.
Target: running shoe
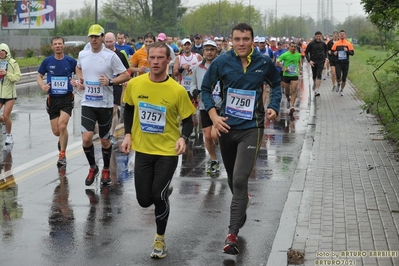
342	92
113	140
333	88
9	139
61	159
91	177
338	85
231	244
316	92
245	216
105	177
213	168
159	250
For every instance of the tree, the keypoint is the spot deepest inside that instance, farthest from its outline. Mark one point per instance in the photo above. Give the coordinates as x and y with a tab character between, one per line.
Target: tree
218	18
142	16
384	14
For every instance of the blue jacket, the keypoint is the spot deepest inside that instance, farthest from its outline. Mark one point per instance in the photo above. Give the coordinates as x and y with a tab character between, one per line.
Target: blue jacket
228	68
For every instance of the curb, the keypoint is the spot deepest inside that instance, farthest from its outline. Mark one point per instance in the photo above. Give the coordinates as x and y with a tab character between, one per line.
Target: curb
288	221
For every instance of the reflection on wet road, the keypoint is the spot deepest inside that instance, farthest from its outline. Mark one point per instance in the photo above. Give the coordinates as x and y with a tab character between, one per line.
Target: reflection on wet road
54	219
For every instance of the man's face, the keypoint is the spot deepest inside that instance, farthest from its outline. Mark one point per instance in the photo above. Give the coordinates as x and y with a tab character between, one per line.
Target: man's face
175	39
262	45
242	42
158	61
318	37
342	35
141	40
109	42
209	52
225	44
219	45
273	43
336	35
169	40
293	48
148	41
187	47
96	41
121	39
197	40
58	46
280	46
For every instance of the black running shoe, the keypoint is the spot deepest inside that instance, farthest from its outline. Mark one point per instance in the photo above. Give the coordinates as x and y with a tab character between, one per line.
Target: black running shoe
105	177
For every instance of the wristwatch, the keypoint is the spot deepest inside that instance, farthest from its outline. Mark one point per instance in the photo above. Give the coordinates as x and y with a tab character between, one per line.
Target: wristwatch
110	82
184	137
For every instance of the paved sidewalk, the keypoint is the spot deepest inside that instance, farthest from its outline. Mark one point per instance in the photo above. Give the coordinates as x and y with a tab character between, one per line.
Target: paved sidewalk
346	188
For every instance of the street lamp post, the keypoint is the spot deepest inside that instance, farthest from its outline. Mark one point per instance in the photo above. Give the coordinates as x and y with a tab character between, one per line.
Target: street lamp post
349	8
95	12
220	34
249	13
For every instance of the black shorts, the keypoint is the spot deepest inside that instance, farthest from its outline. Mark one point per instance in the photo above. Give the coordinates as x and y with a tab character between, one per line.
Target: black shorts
288	79
3	101
55	105
91	115
117	94
205	119
332	60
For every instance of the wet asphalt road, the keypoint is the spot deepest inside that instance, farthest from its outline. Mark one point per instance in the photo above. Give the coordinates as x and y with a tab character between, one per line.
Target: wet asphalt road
52	218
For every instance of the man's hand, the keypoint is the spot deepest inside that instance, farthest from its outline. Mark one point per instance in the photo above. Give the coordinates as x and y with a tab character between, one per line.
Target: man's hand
271	114
180	146
46	87
126	144
104	80
220	125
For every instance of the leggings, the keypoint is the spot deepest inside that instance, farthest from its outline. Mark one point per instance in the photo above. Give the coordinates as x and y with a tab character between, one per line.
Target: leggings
317	70
152	177
239	150
341	69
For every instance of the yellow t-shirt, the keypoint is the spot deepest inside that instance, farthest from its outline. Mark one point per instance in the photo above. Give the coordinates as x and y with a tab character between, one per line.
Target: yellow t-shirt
158	109
139	59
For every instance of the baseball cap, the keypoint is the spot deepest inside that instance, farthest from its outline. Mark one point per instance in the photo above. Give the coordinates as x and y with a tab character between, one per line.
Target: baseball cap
279	43
211	43
256	39
185	41
262	39
273	39
95	30
198	36
161	36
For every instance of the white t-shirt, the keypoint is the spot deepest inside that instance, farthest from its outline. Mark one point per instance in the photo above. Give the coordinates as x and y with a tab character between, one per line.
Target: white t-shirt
93	65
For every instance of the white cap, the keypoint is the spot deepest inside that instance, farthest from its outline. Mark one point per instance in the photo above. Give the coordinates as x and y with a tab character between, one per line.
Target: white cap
185	41
211	43
262	39
256	39
273	39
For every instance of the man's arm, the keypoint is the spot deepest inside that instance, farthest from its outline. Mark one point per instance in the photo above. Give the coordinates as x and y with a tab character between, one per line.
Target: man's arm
176	68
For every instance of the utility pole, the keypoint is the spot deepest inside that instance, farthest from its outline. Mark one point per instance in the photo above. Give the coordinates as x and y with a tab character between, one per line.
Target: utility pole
349	9
95	11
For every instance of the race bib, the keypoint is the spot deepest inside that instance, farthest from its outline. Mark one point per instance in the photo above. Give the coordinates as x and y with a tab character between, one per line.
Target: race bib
152	118
186	82
292	69
342	55
94	91
59	85
240	103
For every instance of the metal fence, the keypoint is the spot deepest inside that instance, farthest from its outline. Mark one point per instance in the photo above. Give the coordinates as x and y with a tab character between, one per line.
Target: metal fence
20	43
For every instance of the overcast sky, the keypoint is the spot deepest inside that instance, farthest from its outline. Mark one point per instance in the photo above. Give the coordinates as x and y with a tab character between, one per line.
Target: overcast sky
289	7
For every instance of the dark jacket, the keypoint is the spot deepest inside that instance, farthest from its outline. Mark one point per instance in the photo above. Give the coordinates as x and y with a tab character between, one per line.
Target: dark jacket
228	68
